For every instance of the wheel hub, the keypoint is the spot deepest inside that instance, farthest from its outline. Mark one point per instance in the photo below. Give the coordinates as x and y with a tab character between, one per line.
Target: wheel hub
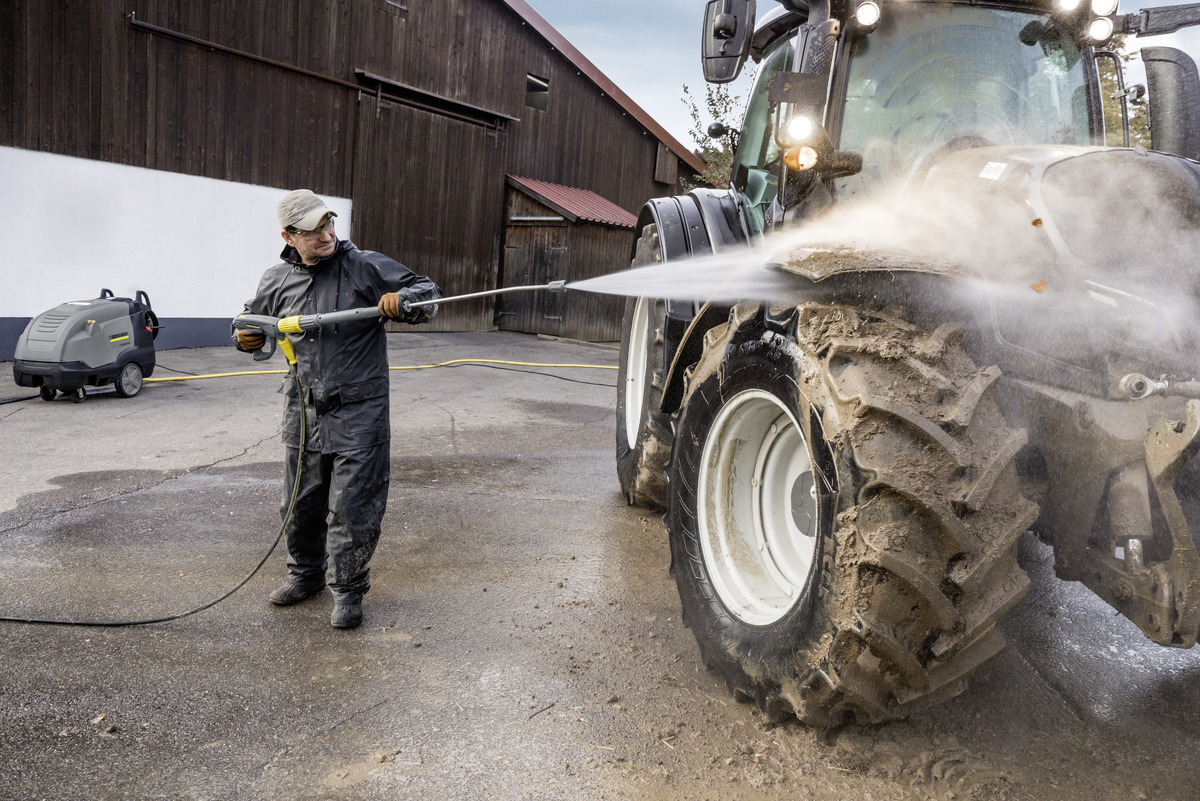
758	515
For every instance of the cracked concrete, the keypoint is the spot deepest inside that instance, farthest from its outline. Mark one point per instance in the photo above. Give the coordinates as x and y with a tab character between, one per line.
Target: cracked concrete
522	636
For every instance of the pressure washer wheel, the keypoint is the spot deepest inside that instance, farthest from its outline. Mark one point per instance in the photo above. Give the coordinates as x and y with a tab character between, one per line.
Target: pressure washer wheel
129	382
79	395
47	393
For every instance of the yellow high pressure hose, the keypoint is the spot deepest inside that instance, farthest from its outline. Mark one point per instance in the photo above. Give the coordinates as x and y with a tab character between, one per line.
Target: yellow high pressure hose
408	367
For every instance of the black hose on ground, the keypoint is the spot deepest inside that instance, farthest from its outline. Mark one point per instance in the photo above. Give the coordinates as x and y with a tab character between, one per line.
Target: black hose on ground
286	520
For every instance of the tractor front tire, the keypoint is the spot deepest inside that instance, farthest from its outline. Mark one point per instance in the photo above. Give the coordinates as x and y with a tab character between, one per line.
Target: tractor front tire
643	432
844	513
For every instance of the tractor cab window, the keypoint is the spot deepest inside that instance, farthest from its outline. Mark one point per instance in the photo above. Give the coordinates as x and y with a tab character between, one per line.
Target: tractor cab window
757	149
936	77
756	165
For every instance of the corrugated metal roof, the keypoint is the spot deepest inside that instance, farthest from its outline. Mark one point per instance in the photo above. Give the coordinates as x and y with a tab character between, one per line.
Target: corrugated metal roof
575	204
551	35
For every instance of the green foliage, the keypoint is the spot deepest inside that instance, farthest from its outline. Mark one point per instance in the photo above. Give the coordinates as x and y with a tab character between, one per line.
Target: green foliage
1139	130
720	105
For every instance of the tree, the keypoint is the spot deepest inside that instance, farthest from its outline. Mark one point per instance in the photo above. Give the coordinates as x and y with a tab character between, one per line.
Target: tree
1139	130
724	106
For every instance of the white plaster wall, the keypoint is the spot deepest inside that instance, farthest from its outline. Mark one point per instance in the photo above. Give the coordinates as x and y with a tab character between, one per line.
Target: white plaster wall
197	246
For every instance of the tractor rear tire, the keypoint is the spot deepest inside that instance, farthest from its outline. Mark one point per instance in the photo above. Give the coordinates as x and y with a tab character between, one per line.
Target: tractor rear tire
643	432
844	513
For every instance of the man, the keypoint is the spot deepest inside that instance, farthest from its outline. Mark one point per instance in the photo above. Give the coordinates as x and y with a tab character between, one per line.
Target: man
340	384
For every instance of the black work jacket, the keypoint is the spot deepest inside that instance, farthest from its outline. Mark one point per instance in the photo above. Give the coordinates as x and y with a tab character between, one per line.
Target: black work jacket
341	371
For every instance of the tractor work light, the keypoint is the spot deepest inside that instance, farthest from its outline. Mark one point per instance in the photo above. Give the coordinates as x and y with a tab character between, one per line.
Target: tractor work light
868	14
1069	5
1100	29
1104	8
800	158
799	129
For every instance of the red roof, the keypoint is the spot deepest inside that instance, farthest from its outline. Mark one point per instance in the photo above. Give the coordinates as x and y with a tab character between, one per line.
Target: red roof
575	204
558	41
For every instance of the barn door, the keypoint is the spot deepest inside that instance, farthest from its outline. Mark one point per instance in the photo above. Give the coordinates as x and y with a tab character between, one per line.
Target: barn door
534	254
415	201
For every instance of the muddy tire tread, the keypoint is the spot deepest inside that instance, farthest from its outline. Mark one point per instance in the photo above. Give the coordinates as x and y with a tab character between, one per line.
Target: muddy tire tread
925	445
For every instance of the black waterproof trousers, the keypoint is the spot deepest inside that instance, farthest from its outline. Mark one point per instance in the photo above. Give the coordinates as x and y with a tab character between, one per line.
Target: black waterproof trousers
339	508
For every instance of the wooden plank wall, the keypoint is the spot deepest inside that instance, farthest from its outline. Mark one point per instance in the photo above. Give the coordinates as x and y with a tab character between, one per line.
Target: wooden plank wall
84	83
596	250
427	190
592	250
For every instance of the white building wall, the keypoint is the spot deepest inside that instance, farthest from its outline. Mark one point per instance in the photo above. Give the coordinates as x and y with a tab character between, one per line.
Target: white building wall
196	246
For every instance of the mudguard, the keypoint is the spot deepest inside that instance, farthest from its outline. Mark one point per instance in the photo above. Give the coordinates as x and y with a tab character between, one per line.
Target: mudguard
699	223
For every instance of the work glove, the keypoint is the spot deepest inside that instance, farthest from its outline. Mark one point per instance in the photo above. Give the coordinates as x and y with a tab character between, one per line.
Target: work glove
250	340
391	306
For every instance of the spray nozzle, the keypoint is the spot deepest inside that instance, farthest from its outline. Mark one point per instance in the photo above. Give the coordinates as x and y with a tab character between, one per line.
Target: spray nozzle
557	286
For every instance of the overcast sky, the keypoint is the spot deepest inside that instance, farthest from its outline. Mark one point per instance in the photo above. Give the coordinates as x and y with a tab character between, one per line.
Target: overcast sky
650	48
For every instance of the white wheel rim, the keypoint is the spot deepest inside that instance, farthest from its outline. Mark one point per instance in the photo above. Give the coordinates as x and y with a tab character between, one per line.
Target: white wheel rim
635	370
131	379
757	508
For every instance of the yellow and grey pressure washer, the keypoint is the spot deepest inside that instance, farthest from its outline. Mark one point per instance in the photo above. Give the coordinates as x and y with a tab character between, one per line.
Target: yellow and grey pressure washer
88	343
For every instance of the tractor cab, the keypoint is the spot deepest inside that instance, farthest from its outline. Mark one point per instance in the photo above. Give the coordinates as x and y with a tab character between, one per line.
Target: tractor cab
850	97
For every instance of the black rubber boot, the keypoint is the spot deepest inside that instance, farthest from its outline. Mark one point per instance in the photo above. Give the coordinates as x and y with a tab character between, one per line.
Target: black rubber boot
291	593
346	616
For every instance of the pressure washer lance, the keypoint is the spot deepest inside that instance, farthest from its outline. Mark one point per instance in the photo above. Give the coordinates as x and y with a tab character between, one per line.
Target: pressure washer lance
276	329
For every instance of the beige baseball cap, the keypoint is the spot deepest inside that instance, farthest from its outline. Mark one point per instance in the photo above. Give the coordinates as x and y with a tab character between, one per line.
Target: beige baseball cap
302	209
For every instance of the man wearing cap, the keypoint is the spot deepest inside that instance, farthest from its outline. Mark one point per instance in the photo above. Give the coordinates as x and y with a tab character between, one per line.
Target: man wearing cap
340	384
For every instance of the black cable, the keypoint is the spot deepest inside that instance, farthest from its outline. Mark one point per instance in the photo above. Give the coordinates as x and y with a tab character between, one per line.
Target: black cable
173	370
535	372
18	400
287	519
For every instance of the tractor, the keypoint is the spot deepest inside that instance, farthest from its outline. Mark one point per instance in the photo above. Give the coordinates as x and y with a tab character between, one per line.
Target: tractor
847	468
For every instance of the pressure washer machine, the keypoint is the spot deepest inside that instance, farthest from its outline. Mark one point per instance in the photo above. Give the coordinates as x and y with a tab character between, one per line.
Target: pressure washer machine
88	343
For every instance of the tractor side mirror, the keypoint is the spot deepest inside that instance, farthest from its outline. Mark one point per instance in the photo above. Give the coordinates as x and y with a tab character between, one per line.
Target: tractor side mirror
1175	101
719	130
725	42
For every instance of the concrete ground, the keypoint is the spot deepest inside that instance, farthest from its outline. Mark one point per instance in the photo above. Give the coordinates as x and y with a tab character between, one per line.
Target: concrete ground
522	636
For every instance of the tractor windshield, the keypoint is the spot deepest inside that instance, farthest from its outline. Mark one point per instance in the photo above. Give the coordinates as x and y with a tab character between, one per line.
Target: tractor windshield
936	77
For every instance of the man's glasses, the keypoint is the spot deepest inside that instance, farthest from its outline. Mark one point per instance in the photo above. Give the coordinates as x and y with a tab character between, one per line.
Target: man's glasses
320	229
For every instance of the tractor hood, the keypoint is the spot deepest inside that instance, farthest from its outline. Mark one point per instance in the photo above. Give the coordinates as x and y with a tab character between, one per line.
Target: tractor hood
1126	216
1084	256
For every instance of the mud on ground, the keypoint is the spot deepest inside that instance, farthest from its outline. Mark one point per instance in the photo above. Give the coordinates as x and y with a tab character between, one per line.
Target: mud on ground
522	637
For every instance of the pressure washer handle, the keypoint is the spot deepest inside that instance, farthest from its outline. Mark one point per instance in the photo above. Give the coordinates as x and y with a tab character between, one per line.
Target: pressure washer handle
266	351
269	327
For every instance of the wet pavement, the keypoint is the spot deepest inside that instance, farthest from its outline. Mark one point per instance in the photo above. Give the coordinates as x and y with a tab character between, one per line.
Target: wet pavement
521	638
